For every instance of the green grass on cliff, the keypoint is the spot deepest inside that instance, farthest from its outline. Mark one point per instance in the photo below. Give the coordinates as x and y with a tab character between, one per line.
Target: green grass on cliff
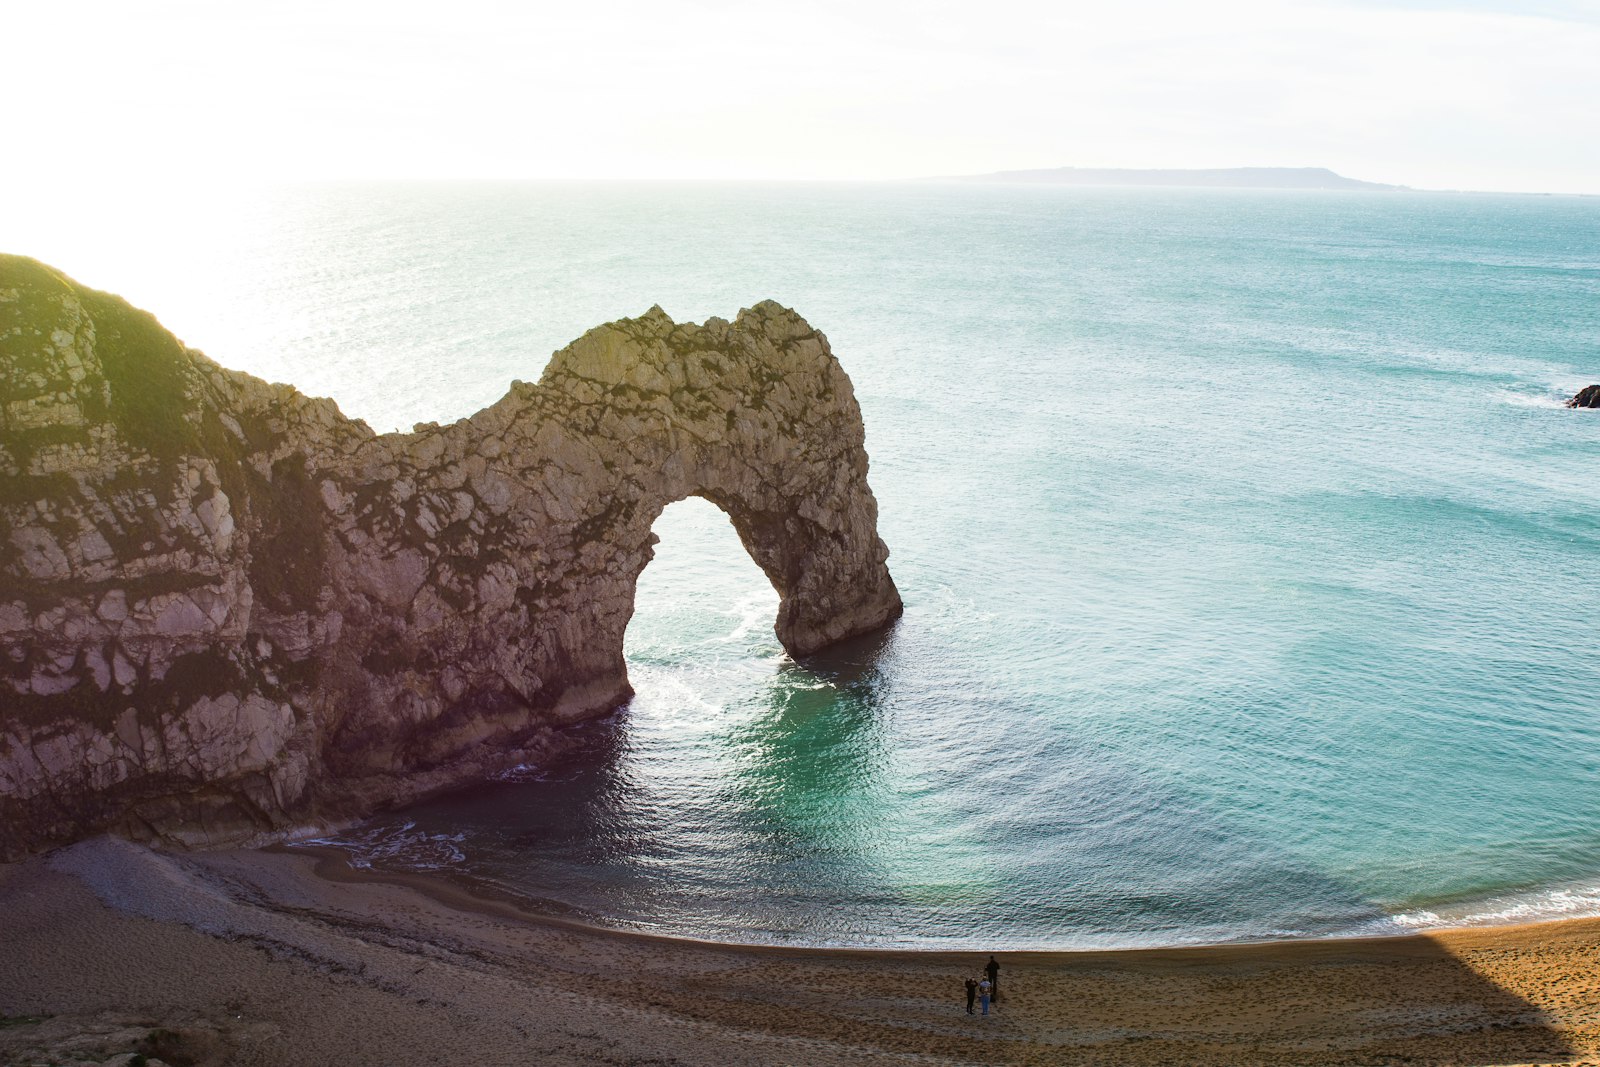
155	396
150	374
152	378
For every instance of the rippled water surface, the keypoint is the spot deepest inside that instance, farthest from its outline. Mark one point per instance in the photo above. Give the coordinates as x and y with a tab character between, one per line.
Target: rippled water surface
1248	555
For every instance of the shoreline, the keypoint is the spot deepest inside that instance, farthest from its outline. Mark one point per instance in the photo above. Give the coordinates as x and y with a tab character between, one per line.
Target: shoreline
278	956
334	864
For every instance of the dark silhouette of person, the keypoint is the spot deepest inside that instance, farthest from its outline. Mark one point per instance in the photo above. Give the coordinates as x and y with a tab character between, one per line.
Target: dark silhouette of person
972	992
992	969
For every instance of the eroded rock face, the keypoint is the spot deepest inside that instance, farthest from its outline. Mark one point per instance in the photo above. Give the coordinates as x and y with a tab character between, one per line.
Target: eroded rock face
226	609
1587	397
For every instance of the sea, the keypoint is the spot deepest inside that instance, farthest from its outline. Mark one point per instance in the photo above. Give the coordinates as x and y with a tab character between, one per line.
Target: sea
1249	555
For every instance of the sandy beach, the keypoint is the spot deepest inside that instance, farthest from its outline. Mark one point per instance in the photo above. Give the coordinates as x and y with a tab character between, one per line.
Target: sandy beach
289	957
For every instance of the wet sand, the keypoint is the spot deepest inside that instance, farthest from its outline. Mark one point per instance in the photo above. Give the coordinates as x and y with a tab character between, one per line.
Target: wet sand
288	957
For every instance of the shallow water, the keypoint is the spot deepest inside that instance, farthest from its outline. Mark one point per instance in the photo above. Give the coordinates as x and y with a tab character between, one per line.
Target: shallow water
1245	546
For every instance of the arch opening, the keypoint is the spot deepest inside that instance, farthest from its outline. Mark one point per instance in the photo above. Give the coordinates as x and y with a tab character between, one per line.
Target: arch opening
699	589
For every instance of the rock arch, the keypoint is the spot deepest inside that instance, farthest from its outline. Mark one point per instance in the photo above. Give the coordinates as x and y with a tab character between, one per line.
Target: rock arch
226	609
755	416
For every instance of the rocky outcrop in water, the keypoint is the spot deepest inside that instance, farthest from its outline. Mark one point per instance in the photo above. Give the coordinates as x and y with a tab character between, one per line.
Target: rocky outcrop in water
226	609
1587	397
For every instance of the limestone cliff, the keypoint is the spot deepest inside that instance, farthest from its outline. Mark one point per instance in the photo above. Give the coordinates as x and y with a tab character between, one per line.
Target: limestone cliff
226	609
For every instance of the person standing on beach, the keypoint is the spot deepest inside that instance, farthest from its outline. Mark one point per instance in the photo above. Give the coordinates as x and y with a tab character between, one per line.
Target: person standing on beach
972	992
992	969
983	995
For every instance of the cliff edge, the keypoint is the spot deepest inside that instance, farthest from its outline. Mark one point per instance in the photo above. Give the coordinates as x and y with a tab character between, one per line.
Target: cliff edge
226	610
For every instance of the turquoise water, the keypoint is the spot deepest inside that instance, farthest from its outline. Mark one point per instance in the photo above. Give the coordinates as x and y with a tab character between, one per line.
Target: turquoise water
1247	552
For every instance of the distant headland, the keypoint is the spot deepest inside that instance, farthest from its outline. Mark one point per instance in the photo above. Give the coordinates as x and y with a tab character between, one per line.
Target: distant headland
1216	178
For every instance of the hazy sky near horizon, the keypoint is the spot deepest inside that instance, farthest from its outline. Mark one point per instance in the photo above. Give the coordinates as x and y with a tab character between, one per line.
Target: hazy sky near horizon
1474	94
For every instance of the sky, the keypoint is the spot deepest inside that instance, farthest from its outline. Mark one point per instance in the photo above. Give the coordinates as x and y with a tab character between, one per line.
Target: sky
1468	95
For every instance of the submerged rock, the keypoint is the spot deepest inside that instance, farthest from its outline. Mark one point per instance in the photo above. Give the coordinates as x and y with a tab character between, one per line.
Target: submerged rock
1587	397
227	610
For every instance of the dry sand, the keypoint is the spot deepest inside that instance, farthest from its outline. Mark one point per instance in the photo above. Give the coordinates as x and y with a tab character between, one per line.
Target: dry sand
281	957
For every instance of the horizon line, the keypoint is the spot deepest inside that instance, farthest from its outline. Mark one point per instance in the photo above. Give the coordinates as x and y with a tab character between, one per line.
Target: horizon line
30	183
